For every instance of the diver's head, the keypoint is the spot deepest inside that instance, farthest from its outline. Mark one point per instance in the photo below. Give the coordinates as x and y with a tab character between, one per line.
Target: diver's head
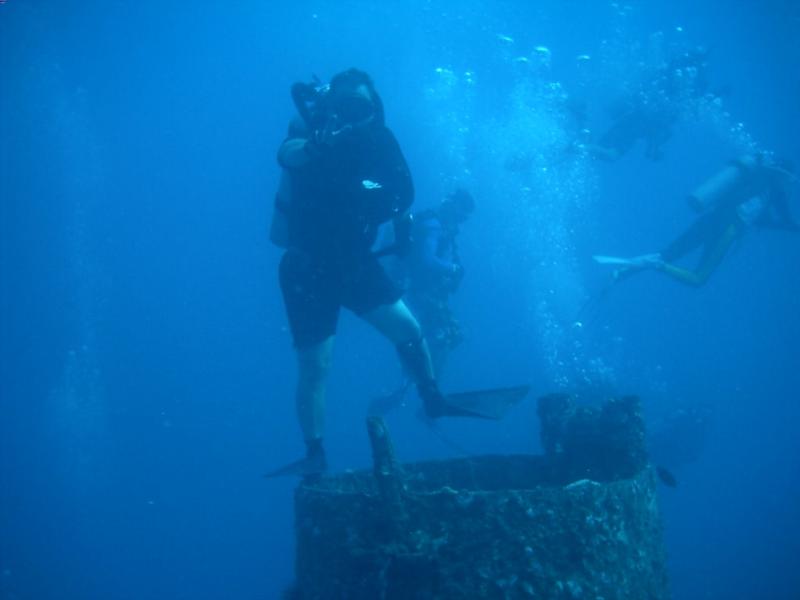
352	99
457	207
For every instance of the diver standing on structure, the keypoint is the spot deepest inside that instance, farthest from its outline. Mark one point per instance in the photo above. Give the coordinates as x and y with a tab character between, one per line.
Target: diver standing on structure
344	176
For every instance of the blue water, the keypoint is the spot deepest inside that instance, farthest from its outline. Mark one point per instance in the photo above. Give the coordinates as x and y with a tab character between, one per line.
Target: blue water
147	370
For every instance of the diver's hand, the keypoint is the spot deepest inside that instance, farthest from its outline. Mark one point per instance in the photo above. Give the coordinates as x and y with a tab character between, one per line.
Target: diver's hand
321	142
331	134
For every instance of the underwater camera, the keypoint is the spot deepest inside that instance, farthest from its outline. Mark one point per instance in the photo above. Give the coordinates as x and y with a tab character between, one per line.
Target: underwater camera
309	98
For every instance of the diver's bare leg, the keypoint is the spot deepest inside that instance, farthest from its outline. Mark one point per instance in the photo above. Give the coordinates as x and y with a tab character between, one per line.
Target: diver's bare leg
313	366
396	322
313	363
712	257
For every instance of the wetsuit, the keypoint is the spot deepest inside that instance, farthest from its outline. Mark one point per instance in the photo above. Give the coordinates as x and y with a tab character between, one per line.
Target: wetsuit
340	197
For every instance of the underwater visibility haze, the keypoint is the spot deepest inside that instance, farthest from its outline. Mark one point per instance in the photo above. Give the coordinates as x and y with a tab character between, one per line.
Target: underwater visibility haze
147	368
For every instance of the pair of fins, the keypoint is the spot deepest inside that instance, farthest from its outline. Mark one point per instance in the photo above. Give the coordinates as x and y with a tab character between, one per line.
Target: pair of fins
492	404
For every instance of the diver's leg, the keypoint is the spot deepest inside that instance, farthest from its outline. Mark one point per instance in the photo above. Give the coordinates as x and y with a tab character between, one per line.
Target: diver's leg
709	227
313	365
373	297
309	292
396	322
697	235
712	257
313	362
382	405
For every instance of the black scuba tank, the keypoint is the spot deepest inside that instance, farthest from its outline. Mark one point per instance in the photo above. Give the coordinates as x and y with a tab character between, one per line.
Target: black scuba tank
281	209
279	227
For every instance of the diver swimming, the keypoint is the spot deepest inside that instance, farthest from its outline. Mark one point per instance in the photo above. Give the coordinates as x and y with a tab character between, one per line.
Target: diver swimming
650	114
751	191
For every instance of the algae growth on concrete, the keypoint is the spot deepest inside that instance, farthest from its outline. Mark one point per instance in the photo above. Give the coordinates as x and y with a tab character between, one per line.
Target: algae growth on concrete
580	521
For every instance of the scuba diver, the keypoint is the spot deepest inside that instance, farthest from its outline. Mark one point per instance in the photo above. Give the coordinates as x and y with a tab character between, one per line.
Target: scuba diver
435	272
651	113
432	272
751	191
344	175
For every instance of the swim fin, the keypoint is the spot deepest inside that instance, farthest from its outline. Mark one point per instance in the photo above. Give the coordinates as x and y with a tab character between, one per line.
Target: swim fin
643	261
310	466
484	404
612	260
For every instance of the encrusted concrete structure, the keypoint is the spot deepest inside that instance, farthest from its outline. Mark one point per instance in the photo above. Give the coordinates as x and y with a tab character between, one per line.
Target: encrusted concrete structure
580	521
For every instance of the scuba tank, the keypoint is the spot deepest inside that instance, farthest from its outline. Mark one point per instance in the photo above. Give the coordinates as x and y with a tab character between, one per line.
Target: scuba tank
279	228
731	184
307	98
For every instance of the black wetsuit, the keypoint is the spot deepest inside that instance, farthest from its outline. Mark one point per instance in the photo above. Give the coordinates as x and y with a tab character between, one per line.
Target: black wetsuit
339	199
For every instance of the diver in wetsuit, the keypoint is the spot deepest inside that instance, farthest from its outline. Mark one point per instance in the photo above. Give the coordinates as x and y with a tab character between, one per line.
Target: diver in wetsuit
435	272
347	176
750	192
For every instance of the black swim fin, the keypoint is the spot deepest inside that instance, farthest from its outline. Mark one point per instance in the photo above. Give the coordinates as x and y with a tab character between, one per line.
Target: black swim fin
491	404
310	466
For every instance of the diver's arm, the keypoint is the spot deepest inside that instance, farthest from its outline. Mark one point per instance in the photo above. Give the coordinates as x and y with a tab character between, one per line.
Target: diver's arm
432	233
296	152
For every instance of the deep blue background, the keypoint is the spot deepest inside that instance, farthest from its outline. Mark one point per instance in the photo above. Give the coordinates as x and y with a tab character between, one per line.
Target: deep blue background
147	372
